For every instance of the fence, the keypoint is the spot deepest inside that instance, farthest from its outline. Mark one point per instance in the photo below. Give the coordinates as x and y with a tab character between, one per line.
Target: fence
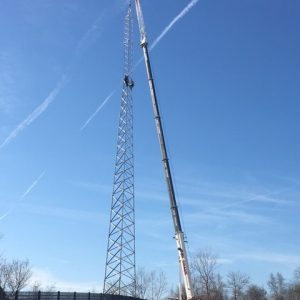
66	296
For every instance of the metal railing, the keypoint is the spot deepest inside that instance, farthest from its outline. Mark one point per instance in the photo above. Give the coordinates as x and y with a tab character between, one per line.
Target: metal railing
66	296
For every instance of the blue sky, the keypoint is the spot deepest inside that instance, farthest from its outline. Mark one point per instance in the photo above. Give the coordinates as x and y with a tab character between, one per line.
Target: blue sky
227	76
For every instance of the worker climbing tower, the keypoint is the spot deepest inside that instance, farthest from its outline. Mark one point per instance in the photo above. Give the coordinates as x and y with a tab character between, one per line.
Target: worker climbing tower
120	260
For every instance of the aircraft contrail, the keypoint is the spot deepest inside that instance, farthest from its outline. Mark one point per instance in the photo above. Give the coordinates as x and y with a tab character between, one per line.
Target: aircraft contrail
37	112
23	195
90	36
97	110
153	45
36	181
173	22
85	41
6	214
168	28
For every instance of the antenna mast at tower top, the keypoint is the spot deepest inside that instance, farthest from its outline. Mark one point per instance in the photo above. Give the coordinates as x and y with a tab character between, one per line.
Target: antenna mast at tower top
179	235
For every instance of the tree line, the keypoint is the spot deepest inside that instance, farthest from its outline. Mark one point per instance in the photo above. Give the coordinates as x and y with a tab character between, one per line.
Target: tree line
14	276
207	283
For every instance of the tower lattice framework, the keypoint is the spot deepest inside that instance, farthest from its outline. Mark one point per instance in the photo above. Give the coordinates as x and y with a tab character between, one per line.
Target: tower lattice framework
120	260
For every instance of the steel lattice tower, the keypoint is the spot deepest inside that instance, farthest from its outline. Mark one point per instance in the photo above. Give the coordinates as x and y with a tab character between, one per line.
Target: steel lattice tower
120	260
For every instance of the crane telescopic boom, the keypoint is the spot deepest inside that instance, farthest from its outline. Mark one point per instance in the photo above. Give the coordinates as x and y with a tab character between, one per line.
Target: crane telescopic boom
179	235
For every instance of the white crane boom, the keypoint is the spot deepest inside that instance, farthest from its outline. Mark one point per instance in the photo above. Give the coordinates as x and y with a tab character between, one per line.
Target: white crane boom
179	235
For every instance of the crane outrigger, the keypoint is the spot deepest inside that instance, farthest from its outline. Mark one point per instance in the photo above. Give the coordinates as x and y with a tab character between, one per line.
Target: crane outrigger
179	234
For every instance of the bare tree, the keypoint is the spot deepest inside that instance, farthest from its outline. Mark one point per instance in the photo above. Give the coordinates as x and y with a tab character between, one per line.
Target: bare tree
3	295
292	293
297	275
237	282
158	285
255	292
161	285
293	289
173	293
51	288
36	286
204	266
4	274
19	275
150	285
219	288
3	279
142	283
277	286
177	293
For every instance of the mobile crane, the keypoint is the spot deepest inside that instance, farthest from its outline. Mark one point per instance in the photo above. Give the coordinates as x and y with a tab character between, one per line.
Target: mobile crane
179	235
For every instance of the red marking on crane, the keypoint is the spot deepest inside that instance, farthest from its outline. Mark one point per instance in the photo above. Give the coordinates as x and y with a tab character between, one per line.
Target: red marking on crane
184	267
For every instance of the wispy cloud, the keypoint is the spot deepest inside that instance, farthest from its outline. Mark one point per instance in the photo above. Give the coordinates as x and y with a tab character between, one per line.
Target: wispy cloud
271	257
37	112
153	45
32	186
92	186
46	278
173	22
76	215
90	36
262	198
6	214
67	213
28	190
181	15
224	261
230	217
220	195
97	110
8	96
232	204
96	29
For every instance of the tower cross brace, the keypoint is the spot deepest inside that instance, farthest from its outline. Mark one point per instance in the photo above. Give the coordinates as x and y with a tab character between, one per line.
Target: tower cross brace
120	270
